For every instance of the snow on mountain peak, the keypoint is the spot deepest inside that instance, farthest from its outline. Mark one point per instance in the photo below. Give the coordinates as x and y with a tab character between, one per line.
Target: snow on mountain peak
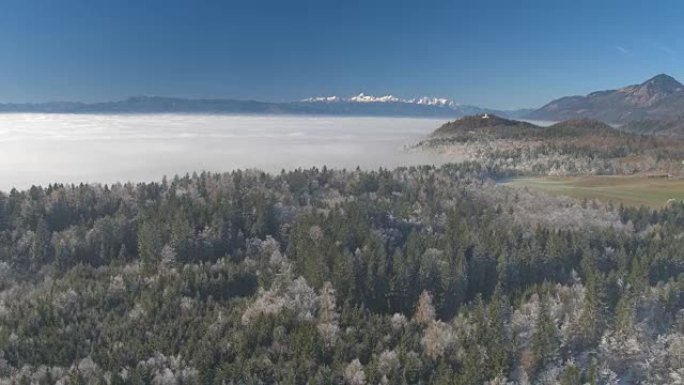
363	98
323	99
428	101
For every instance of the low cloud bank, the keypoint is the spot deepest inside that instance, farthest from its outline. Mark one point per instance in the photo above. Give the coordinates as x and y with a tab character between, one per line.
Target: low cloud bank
45	148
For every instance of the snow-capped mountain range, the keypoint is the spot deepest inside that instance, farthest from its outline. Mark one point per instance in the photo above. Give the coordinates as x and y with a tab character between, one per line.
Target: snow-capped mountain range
363	98
390	105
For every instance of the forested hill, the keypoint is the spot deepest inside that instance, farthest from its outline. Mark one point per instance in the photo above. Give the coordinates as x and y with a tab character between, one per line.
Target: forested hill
484	123
414	275
581	127
573	147
496	127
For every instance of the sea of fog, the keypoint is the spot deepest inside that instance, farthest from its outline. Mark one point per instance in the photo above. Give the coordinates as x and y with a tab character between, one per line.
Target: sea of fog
37	149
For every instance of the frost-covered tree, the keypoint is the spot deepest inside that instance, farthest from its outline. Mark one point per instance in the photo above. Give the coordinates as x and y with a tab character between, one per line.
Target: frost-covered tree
425	311
328	325
354	373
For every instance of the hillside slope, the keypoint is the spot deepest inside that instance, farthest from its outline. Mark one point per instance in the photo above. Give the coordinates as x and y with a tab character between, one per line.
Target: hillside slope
659	97
665	127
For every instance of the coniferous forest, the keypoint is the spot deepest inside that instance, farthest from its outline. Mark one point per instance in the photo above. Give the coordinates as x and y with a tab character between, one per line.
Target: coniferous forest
302	192
416	275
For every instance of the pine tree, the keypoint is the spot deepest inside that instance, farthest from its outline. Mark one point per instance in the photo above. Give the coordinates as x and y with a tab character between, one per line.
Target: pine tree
150	244
497	341
591	322
545	341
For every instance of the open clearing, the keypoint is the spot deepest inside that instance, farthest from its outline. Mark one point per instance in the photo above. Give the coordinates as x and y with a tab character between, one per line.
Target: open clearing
629	190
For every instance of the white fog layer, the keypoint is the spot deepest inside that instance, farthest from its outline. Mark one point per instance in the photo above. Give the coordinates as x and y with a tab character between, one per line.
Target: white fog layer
46	148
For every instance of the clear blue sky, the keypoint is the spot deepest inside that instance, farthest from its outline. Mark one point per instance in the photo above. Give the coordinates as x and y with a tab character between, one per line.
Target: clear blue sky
491	53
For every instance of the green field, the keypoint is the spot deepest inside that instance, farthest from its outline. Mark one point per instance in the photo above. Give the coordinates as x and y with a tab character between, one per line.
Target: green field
629	190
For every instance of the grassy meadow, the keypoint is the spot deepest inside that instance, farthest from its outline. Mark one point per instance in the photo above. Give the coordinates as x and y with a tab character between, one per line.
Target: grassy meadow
628	190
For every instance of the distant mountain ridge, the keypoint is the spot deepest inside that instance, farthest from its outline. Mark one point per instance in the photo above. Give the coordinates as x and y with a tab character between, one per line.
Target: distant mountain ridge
657	98
153	104
359	105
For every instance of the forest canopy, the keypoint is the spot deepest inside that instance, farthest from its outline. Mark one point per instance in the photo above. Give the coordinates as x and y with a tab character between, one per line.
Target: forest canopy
405	276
